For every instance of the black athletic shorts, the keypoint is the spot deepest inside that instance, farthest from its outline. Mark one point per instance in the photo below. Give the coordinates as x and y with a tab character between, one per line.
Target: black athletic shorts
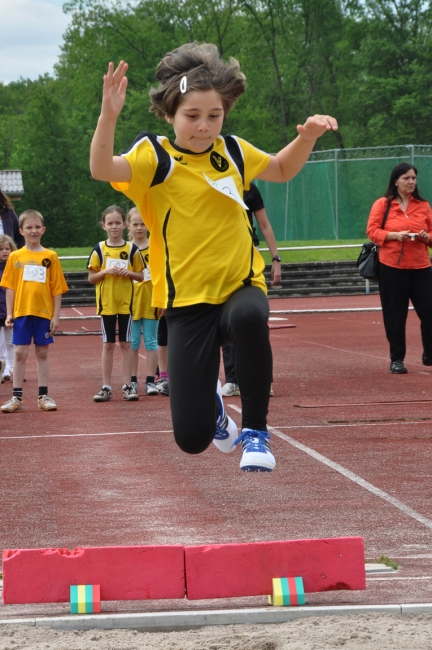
108	325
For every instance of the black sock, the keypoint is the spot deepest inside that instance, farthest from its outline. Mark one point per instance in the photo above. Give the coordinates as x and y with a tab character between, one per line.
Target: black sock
149	380
133	378
43	390
17	392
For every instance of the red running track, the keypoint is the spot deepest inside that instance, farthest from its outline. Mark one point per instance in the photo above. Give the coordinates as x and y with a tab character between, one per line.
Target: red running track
352	443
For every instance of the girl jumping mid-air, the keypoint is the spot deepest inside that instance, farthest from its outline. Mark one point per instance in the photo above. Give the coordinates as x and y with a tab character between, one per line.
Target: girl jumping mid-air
206	271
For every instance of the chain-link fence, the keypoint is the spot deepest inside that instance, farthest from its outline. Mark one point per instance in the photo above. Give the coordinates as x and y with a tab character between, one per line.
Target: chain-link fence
331	197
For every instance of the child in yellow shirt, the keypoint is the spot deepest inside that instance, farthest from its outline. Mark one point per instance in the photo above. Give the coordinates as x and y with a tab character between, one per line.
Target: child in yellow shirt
34	283
145	317
113	266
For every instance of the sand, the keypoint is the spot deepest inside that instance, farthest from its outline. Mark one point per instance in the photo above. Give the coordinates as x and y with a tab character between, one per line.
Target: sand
361	632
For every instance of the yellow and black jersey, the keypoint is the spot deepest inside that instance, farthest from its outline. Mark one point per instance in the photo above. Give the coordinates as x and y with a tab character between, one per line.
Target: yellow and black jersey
36	277
114	293
201	242
142	302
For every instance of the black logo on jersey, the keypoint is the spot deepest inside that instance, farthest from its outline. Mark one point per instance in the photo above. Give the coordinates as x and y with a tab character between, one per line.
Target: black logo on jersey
146	258
123	255
46	263
179	159
220	163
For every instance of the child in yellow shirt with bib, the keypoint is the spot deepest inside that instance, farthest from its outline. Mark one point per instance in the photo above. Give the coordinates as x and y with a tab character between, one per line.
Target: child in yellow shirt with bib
206	272
113	266
34	283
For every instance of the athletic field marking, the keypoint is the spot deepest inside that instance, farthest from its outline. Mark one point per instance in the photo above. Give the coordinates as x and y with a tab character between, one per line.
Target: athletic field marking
400	578
80	435
78	311
234	407
372	402
426	556
353	477
337	310
330	347
362	354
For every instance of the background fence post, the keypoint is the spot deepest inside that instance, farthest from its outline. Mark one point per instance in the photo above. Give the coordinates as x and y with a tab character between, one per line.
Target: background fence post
336	194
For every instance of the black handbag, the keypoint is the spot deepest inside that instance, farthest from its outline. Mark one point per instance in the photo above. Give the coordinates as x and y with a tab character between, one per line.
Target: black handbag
367	262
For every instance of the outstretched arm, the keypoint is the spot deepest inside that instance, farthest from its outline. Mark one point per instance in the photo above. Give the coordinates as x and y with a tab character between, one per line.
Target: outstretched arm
104	166
289	161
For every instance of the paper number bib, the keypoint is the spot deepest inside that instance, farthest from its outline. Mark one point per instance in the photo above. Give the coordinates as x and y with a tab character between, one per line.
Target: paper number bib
34	273
116	263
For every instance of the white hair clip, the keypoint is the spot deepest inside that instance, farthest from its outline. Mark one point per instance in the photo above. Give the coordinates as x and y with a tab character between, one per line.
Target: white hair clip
183	84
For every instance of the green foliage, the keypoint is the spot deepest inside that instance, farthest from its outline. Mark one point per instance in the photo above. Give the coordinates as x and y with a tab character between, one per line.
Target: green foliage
384	560
315	255
368	62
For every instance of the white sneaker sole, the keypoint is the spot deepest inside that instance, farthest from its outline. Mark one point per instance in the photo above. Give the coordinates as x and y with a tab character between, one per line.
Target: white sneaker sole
257	462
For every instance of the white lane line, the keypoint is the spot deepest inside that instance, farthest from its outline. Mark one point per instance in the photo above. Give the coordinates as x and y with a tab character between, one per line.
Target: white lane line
426	556
350	424
350	475
78	311
330	347
356	479
400	578
81	435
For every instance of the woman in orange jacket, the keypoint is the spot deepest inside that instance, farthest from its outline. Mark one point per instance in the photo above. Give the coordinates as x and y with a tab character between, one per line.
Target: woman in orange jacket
400	223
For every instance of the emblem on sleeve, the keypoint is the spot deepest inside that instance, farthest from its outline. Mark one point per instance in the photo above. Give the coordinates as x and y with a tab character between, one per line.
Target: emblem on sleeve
220	163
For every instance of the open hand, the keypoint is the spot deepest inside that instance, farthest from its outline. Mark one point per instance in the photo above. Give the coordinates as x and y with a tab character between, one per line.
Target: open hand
316	126
114	89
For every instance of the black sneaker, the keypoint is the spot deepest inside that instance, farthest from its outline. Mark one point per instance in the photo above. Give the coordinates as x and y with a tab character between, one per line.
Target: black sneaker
426	361
398	368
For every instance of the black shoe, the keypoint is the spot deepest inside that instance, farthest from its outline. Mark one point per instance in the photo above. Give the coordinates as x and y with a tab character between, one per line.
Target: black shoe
398	368
426	361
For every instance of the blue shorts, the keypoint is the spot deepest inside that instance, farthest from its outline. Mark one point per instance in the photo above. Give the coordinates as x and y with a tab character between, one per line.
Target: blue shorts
26	328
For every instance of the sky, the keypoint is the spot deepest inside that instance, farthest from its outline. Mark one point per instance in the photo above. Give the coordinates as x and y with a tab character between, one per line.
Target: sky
31	35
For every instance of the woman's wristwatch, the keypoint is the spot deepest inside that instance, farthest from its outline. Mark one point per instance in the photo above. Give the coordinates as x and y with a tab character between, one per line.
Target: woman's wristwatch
277	258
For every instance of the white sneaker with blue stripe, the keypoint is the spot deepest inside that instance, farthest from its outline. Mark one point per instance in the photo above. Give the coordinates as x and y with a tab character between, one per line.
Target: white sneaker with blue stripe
257	455
226	429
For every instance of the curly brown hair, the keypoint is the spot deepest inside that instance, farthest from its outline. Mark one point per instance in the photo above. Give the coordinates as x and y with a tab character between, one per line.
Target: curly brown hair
204	70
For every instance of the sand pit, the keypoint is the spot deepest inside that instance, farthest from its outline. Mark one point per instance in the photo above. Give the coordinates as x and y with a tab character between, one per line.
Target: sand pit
362	632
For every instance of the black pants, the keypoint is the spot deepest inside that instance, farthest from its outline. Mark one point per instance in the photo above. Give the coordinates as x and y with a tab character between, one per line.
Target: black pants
195	336
229	363
397	287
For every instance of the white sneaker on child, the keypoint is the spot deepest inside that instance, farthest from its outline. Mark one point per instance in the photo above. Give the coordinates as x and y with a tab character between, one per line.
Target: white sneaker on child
257	455
230	390
226	429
